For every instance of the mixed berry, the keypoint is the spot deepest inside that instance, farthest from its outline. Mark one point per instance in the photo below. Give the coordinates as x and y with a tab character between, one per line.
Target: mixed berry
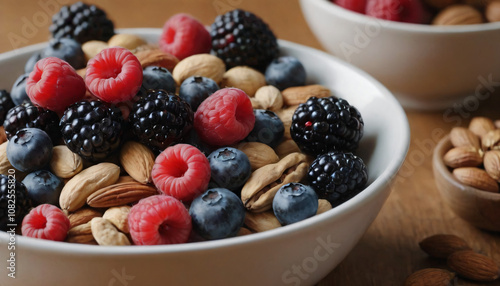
192	129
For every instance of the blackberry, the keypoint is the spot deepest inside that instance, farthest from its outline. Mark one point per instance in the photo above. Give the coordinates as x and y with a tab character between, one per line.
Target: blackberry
241	38
321	125
92	129
11	189
28	115
81	22
5	104
160	118
337	176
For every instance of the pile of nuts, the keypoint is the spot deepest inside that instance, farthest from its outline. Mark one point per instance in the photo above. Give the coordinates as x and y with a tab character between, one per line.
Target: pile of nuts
475	156
453	12
460	258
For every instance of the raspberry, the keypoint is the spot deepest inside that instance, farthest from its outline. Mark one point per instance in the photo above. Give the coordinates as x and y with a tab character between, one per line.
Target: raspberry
114	75
54	84
181	171
184	36
409	11
224	118
46	222
353	5
159	219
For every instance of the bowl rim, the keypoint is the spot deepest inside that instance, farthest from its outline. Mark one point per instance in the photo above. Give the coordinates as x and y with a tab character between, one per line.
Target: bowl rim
358	201
443	146
362	19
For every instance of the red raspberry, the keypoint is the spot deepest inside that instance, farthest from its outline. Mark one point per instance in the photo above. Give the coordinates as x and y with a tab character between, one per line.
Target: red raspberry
184	36
114	75
181	171
46	222
353	5
409	11
159	219
54	84
224	118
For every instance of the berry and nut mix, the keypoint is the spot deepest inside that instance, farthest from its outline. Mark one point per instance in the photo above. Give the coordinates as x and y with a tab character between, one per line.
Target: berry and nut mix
163	143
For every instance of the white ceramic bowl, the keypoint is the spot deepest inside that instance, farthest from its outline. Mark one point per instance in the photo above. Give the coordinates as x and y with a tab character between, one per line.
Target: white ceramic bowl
316	245
426	67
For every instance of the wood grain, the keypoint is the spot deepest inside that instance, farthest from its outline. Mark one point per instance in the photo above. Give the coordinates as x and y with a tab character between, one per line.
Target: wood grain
389	251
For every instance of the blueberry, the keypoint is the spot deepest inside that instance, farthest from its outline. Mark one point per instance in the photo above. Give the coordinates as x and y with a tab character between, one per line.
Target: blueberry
157	78
18	91
268	128
30	64
195	89
230	168
43	187
66	49
285	72
29	150
217	213
294	202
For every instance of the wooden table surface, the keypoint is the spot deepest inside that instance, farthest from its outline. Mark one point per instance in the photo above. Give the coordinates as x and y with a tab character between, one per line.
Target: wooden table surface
389	251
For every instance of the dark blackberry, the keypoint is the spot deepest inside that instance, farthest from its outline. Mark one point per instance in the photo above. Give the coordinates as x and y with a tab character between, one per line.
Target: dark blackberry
321	125
81	22
28	115
160	118
5	104
241	38
337	176
13	196
92	129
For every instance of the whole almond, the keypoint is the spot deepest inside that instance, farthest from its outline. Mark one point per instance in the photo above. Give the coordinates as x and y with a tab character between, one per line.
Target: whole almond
82	216
137	160
300	94
119	194
491	140
105	233
81	234
92	48
442	245
245	78
118	216
64	163
156	57
461	136
474	266
286	147
270	98
430	277
76	191
127	41
492	164
476	178
481	125
458	14
259	154
206	65
463	156
263	221
492	11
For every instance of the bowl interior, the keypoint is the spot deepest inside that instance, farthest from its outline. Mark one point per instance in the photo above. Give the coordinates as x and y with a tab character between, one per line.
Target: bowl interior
383	146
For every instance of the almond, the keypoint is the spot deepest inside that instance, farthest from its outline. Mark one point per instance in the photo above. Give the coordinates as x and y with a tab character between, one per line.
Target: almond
137	160
120	194
481	125
492	164
244	231
300	94
286	147
476	178
461	136
474	266
81	234
245	78
492	11
4	162
156	57
105	233
491	140
430	277
323	206
76	191
118	216
286	115
259	154
202	65
263	221
92	48
458	14
64	163
463	156
82	216
442	245
269	97
127	41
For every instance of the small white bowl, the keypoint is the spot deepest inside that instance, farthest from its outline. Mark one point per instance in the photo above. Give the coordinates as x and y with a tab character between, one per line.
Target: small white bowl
426	67
316	245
